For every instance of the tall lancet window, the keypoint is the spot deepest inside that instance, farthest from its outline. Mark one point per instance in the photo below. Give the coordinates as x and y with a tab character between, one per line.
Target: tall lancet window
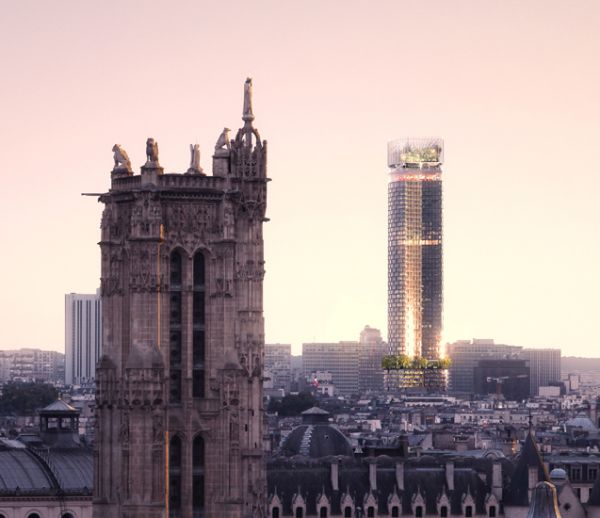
198	477
199	318
175	456
175	317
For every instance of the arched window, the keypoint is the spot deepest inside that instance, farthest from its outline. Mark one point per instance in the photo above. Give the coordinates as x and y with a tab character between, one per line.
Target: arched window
175	456
67	515
370	512
199	317
347	512
444	511
33	515
419	511
175	323
299	512
275	512
468	511
198	453
395	512
492	511
323	512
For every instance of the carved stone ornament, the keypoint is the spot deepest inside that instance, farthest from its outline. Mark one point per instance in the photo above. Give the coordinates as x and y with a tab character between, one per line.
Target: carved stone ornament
122	162
223	144
190	225
151	152
195	160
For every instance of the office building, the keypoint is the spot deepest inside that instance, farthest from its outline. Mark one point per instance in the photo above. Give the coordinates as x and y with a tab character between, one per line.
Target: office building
465	356
371	351
506	379
29	364
544	365
340	359
278	359
179	387
415	254
83	337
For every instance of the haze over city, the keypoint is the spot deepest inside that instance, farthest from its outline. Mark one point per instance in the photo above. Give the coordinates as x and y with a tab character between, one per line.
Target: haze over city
510	87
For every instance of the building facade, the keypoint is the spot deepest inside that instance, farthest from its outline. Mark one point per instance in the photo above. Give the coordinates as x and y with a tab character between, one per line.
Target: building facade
28	365
507	379
415	253
278	359
544	365
338	358
83	337
466	354
371	351
179	386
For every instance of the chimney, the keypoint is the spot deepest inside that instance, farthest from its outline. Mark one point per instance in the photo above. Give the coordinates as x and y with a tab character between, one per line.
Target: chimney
450	475
373	474
400	475
533	479
335	475
497	480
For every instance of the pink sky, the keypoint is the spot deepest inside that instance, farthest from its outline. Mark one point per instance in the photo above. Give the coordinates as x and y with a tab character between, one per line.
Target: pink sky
512	87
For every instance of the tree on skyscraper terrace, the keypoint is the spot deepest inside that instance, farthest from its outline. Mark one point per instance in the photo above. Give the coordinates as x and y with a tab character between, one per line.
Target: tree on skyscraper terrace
404	362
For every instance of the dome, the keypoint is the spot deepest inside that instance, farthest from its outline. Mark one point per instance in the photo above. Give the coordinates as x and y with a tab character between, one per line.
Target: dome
315	437
558	474
583	422
316	440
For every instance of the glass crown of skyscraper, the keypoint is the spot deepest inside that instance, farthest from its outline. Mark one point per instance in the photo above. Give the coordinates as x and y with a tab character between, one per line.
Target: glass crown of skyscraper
416	153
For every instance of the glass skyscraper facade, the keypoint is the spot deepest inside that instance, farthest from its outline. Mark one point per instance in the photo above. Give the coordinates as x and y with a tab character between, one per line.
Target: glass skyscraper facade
415	254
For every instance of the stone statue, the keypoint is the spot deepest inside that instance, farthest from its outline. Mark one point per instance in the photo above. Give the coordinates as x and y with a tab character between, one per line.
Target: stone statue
195	158
248	115
122	162
151	151
223	140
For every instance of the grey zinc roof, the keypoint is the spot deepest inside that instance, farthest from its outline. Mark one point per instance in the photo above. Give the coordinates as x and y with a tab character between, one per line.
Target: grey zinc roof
318	440
21	469
73	468
59	406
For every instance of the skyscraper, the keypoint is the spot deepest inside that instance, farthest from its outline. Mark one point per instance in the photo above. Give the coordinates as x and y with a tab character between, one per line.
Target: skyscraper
415	254
83	337
179	386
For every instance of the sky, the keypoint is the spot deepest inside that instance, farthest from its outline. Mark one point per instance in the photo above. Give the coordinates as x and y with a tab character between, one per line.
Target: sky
511	86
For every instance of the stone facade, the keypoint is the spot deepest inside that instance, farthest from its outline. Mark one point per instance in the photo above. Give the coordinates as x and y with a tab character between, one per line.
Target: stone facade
179	386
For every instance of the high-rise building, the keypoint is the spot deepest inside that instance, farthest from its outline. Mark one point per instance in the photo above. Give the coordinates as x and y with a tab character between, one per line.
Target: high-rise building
338	358
179	385
415	255
278	359
371	351
465	356
83	337
544	366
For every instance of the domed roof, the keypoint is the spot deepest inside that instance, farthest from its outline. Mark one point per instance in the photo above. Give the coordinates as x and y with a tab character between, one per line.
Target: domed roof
583	422
558	474
316	440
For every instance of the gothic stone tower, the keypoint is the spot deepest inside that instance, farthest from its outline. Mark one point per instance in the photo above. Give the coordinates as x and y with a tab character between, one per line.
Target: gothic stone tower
179	388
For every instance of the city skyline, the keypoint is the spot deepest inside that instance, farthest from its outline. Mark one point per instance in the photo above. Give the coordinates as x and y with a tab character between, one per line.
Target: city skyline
509	87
